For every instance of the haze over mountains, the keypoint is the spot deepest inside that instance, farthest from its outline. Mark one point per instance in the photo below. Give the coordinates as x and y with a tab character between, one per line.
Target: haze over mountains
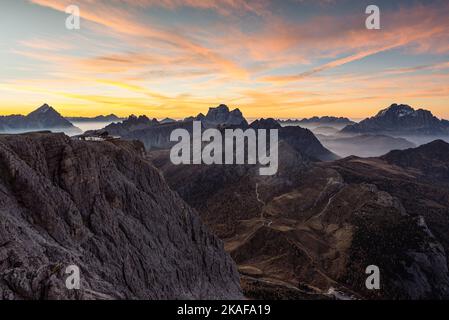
43	118
101	118
397	127
156	135
401	120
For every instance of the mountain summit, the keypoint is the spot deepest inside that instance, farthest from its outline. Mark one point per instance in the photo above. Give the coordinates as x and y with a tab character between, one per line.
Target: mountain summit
43	118
48	117
222	116
401	119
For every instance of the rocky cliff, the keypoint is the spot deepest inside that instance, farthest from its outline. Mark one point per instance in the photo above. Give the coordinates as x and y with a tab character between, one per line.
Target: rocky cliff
103	207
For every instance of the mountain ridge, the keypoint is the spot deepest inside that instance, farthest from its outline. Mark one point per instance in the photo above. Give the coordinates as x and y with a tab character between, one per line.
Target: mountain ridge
401	119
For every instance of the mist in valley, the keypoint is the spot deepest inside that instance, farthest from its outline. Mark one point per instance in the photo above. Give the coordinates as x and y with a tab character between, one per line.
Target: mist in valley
365	145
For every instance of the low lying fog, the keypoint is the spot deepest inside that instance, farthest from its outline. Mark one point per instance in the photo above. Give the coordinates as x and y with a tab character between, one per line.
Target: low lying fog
365	145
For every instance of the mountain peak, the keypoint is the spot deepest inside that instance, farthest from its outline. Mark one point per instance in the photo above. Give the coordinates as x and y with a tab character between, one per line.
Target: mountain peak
45	108
43	118
395	109
221	115
401	119
221	109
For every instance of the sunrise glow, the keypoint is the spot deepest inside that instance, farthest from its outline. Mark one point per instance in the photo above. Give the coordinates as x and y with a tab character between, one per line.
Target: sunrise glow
170	58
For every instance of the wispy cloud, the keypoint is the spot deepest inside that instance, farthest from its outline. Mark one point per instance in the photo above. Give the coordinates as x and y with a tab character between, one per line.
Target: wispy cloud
251	53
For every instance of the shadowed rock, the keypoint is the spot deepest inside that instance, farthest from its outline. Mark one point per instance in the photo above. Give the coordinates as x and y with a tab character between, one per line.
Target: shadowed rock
103	207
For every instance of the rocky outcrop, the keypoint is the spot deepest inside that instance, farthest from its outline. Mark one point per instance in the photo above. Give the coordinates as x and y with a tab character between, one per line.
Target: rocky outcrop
103	207
43	118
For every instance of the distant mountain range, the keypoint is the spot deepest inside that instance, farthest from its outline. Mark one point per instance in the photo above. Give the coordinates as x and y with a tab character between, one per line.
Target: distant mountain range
133	123
320	121
156	135
43	118
400	119
307	232
101	118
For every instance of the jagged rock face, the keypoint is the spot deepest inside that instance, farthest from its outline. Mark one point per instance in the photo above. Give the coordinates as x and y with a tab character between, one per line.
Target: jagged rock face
43	118
126	127
401	119
103	207
156	135
221	116
317	226
425	199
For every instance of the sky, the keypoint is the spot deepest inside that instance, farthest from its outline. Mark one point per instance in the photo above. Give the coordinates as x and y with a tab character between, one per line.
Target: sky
269	58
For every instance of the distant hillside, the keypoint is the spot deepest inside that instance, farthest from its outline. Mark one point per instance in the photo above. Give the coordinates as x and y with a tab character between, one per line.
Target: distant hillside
315	122
364	145
321	120
300	139
431	159
101	118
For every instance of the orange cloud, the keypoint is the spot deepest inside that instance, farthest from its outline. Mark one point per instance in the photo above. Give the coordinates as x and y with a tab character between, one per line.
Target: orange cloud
152	67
